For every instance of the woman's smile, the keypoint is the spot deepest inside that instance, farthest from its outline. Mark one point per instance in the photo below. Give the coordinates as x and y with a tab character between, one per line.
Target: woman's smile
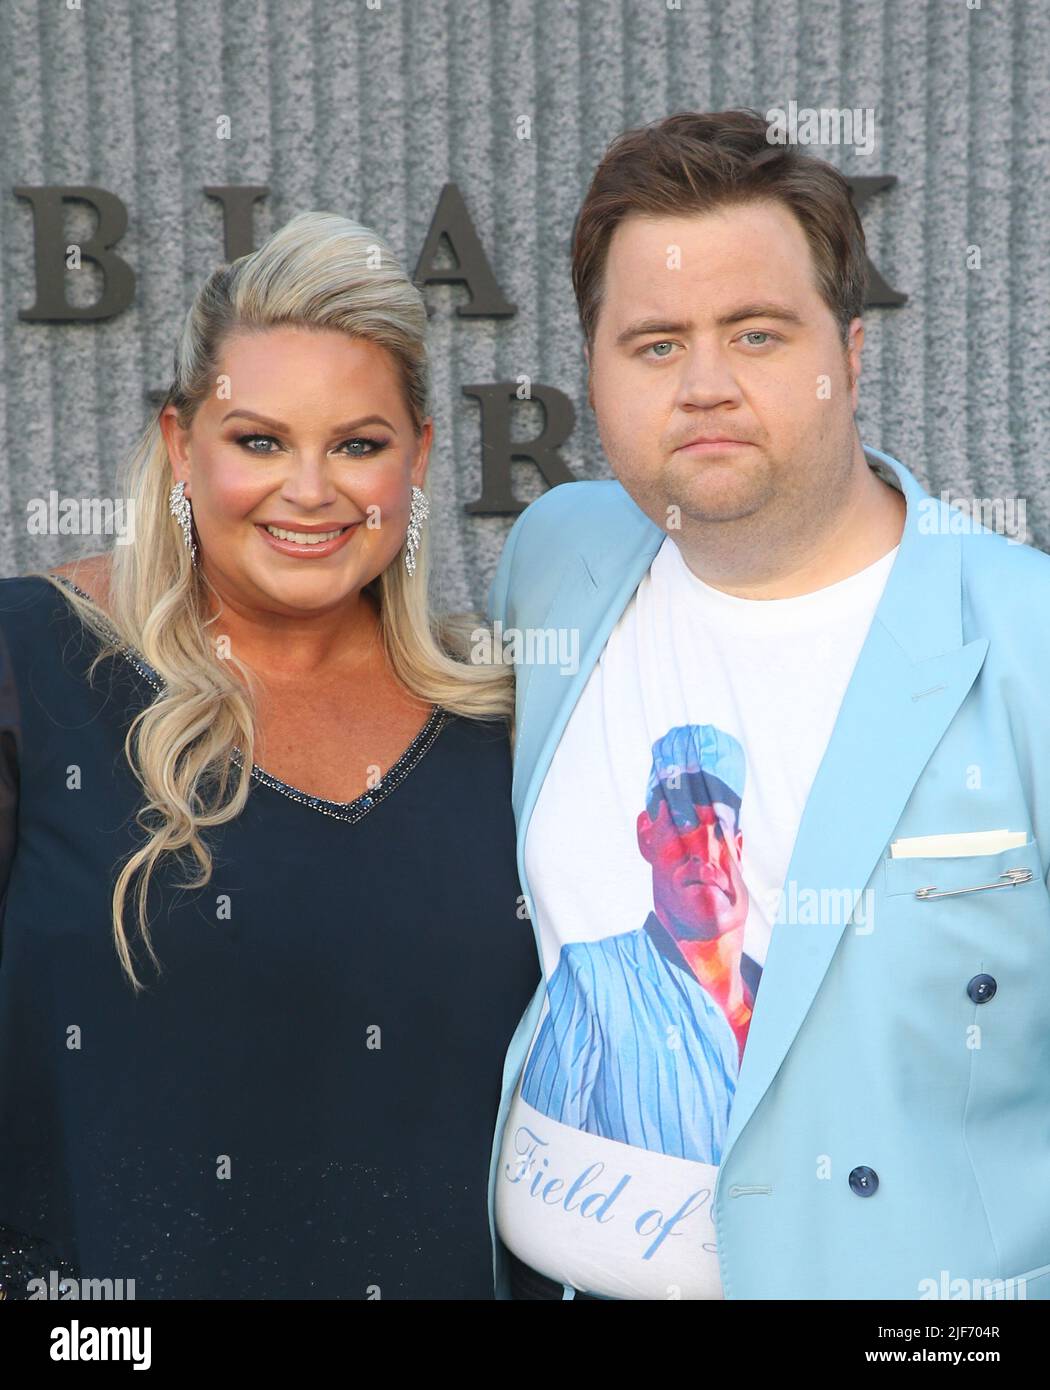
306	542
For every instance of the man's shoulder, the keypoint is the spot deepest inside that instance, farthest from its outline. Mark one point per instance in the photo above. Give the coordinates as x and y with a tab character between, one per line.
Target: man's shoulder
579	518
1008	571
572	512
1006	598
1015	557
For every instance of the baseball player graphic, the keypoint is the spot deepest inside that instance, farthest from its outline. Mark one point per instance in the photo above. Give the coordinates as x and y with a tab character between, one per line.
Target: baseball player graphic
645	1030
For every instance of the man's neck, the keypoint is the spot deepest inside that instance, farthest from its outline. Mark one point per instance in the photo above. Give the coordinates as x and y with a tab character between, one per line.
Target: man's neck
864	528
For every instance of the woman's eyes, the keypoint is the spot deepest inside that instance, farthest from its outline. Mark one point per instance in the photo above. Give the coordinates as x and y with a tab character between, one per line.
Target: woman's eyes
244	440
667	343
372	445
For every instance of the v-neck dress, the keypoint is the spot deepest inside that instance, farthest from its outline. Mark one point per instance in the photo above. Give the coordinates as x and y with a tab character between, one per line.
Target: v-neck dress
302	1103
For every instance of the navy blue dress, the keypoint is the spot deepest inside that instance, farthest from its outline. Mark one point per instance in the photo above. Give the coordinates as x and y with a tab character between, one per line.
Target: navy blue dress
302	1104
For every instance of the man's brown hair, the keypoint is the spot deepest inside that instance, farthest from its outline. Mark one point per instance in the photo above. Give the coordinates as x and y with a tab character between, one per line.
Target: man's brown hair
694	162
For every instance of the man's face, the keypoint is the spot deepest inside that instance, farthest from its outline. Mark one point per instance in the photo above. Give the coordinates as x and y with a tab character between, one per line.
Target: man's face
698	887
705	349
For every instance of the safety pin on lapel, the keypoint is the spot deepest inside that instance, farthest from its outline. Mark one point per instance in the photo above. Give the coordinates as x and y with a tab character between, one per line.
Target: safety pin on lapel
1012	877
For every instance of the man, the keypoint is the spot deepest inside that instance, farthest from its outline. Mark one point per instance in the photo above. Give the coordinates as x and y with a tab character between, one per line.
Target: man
756	571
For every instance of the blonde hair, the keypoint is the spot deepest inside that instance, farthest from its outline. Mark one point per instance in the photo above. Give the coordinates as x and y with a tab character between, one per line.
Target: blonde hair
323	271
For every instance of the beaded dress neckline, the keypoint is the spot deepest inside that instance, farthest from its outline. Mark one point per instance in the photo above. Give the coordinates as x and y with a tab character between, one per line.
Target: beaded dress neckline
349	811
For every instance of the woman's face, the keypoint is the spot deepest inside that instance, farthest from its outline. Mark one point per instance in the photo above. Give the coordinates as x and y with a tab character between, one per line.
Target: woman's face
307	431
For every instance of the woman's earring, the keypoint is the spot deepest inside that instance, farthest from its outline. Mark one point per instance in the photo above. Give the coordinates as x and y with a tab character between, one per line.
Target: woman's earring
419	513
179	505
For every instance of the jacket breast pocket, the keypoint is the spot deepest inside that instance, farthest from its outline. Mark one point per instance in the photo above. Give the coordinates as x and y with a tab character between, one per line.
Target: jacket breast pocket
974	909
1001	875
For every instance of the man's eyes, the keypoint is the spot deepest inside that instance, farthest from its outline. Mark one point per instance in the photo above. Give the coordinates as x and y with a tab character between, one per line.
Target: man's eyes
651	346
650	353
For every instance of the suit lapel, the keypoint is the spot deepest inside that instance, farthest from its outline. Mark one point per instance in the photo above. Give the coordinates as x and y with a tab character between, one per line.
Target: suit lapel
892	717
913	673
591	600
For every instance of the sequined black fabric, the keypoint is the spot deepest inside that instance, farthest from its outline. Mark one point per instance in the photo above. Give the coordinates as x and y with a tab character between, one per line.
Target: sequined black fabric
31	1268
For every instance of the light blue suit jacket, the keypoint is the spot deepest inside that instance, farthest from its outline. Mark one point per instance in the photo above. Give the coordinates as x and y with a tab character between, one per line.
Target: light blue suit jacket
879	1048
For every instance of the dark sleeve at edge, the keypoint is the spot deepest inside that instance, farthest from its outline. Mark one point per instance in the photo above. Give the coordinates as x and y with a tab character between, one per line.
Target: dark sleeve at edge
10	744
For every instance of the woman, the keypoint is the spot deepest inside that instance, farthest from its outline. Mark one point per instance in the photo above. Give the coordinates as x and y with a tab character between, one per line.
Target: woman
261	949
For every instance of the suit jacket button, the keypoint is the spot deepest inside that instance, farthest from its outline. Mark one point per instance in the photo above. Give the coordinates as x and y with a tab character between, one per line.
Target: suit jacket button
864	1181
981	988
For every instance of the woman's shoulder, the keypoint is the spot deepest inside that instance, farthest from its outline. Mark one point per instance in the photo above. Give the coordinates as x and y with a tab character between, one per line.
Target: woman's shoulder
91	574
33	607
474	748
490	732
25	599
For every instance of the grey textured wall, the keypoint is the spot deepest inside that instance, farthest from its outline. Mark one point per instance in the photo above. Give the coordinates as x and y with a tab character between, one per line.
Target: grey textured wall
369	112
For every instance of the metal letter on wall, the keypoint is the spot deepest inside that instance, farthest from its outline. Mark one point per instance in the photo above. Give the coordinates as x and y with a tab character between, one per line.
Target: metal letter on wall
238	204
878	293
49	255
498	449
452	220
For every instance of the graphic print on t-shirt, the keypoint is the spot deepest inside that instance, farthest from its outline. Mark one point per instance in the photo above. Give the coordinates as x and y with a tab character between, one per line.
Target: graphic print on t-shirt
645	1028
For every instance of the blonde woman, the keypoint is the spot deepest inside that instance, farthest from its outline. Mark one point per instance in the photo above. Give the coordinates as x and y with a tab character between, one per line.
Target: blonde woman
261	947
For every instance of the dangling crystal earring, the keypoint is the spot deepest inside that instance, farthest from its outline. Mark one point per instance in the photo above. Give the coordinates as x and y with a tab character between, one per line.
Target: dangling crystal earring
179	506
419	513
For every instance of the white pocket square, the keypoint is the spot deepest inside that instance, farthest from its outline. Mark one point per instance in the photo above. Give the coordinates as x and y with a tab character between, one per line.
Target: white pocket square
969	842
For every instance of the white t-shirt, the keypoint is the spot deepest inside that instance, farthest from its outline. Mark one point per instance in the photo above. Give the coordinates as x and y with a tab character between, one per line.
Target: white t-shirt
656	857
